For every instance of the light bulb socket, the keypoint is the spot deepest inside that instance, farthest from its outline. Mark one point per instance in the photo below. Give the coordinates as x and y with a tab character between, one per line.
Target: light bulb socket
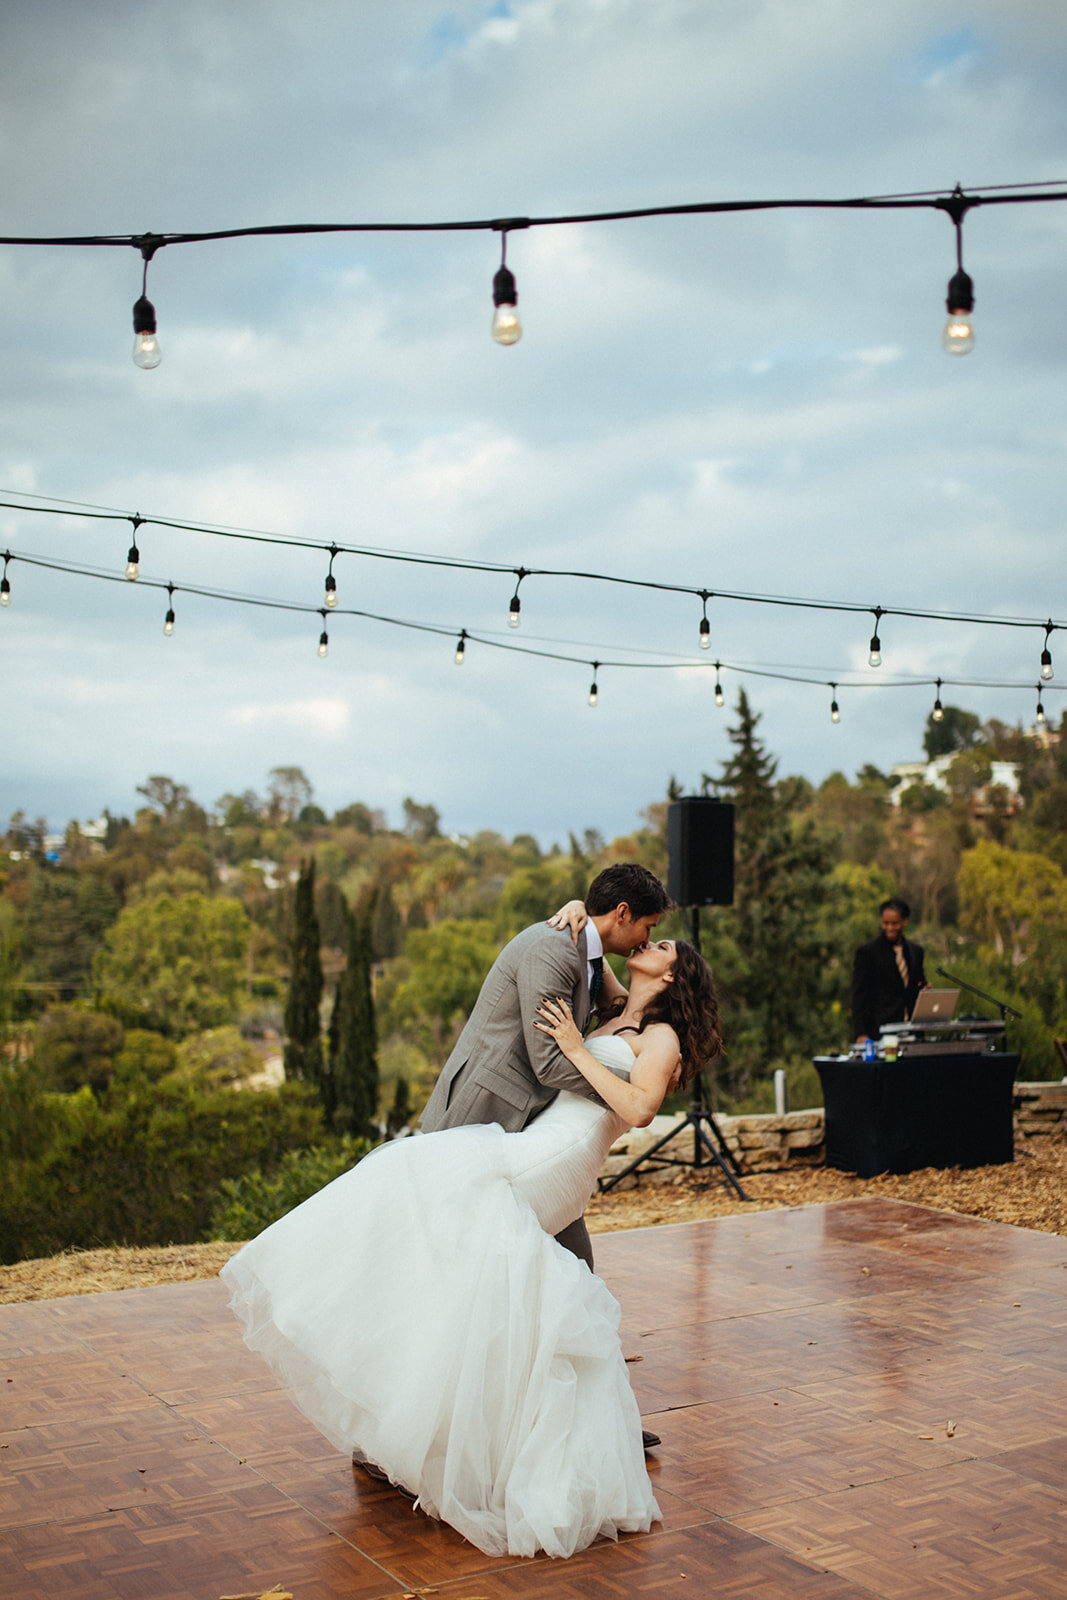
5	591
504	290
960	298
144	316
461	647
938	712
1046	664
168	624
835	715
331	590
514	611
705	634
324	642
133	563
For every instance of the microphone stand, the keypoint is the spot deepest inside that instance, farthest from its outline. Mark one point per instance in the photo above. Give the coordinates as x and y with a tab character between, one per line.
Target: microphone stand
1002	1005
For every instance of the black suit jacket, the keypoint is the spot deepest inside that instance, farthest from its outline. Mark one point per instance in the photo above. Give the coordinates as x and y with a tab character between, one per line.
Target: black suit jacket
878	995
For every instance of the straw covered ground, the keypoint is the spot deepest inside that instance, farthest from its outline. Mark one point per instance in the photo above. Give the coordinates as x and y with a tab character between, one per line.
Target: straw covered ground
1031	1192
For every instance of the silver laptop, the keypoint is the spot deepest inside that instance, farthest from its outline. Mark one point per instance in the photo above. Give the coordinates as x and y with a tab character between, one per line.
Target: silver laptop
935	1005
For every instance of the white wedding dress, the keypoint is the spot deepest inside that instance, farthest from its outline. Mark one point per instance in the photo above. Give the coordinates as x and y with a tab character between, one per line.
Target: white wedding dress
421	1314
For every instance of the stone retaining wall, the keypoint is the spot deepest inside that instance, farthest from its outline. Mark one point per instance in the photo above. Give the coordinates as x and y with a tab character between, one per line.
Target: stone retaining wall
772	1143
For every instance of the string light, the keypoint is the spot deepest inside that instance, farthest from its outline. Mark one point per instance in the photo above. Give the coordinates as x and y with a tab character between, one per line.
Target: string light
958	336
505	327
331	581
133	555
705	625
1046	654
874	659
515	608
146	351
593	693
324	638
1040	718
835	715
168	620
5	582
719	696
938	712
461	647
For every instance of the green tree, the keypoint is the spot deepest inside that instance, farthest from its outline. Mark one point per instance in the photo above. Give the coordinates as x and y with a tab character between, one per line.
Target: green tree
1005	895
386	928
957	730
421	823
75	1048
174	963
354	1056
446	965
303	1029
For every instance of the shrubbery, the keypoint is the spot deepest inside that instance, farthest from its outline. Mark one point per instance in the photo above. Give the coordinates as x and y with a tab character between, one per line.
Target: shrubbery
251	1203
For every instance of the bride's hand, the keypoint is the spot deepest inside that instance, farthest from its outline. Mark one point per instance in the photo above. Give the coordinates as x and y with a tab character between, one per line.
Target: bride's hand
560	1024
573	916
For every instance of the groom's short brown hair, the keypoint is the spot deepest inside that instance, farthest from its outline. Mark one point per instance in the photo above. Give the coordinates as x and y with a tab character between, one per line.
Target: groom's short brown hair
626	882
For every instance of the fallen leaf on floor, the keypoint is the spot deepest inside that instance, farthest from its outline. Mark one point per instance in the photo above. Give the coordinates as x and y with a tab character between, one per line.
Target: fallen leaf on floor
635	1358
950	1428
274	1593
866	1271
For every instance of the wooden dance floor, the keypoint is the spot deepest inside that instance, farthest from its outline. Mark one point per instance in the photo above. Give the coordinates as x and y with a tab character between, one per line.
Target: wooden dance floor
860	1399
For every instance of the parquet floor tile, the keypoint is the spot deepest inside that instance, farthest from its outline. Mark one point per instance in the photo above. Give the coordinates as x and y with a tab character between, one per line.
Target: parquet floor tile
223	1544
31	1329
994	1403
975	1530
778	1445
715	1559
65	1385
78	1470
145	1454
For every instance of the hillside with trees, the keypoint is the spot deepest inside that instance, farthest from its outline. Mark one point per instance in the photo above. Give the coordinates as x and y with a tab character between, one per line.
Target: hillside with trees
154	968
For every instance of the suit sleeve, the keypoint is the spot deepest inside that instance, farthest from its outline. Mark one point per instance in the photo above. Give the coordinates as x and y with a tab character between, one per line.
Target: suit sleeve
547	970
860	994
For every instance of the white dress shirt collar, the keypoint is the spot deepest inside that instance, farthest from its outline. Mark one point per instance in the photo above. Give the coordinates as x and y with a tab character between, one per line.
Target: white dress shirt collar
594	946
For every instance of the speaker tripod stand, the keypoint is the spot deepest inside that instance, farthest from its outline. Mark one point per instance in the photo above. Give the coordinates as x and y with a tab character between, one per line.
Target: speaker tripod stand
709	1147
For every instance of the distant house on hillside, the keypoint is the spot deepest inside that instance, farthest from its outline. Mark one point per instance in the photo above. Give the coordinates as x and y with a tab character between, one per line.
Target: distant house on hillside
1004	778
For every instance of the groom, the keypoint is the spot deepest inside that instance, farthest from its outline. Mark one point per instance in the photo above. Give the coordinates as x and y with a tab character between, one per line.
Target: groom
503	1069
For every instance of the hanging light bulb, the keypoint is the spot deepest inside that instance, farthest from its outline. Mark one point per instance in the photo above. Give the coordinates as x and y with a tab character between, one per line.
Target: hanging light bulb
593	695
515	608
1040	718
958	336
133	555
461	647
938	712
1046	654
719	696
324	638
146	351
331	581
5	583
705	625
835	715
874	659
505	327
168	620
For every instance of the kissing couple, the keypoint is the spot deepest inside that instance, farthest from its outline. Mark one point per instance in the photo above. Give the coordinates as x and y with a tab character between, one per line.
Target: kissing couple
434	1311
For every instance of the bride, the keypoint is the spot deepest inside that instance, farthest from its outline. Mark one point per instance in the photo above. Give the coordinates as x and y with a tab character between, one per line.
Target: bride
423	1317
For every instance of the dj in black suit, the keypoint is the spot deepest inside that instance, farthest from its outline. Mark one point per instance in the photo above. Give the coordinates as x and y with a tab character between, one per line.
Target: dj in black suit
880	990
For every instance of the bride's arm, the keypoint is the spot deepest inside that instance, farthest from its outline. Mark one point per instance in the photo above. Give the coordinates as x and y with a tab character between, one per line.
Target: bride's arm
574	916
636	1101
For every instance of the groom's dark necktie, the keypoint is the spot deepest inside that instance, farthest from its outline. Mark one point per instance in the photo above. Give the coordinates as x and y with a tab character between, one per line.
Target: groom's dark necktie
596	978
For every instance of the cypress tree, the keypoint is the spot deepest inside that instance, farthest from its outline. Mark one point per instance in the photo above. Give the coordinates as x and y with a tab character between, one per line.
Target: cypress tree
355	1064
303	1041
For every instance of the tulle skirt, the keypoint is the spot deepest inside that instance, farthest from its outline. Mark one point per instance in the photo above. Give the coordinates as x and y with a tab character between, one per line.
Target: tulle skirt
421	1316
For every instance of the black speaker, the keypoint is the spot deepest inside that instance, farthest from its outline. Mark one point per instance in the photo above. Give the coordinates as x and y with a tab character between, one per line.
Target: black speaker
700	850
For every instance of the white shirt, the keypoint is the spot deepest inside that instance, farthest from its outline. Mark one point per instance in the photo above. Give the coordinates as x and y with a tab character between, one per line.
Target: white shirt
594	948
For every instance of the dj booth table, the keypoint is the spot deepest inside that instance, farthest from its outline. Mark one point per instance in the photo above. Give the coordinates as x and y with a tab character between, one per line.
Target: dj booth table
947	1105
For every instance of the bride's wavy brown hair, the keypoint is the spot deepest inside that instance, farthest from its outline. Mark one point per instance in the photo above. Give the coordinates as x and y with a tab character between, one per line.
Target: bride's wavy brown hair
691	1006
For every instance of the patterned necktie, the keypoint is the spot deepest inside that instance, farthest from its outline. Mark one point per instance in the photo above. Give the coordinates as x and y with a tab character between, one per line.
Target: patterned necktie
595	979
902	965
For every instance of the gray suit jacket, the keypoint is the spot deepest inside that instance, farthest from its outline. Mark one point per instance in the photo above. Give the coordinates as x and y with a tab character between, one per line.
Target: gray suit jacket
502	1068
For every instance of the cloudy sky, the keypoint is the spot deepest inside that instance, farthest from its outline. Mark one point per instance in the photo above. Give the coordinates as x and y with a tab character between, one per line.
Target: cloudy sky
755	403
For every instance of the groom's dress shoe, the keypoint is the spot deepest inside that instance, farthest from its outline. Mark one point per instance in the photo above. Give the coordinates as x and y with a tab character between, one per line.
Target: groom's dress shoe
650	1440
